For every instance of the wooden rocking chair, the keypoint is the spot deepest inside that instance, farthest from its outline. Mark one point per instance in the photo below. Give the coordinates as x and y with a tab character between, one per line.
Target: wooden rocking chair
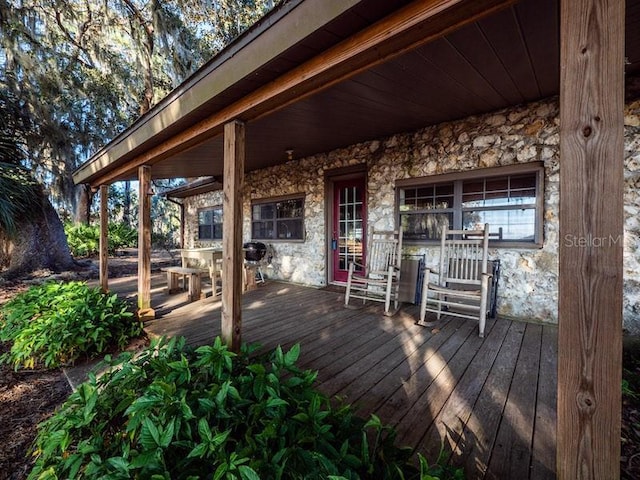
379	280
462	286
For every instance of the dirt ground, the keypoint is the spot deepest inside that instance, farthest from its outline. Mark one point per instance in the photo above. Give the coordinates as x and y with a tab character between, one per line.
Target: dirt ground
26	399
29	397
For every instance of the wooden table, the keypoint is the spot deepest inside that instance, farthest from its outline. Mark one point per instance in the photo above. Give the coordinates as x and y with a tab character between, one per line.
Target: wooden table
212	258
208	259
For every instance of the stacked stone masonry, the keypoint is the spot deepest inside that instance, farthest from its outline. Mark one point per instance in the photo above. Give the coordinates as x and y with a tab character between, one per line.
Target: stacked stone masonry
529	281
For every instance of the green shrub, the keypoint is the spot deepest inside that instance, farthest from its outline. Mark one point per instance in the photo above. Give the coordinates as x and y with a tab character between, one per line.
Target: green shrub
84	240
208	413
55	323
121	236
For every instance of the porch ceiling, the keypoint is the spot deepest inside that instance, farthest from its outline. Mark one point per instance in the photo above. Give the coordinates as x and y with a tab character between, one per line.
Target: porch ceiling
509	58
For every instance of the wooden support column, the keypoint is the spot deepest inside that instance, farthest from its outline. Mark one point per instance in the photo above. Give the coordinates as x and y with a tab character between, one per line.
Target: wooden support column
233	259
104	239
591	228
145	312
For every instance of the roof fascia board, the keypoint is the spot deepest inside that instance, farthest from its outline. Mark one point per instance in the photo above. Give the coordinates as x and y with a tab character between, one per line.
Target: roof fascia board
194	188
242	57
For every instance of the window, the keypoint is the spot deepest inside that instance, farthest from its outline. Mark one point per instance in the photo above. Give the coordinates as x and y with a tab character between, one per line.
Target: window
210	224
509	199
278	220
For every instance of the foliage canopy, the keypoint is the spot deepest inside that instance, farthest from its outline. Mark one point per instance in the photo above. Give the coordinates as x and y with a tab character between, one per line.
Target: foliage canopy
82	70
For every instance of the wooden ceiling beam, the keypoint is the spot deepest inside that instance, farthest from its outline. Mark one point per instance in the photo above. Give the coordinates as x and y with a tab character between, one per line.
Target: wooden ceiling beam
416	24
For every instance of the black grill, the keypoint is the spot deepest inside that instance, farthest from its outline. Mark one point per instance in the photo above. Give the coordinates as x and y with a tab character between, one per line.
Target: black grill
254	251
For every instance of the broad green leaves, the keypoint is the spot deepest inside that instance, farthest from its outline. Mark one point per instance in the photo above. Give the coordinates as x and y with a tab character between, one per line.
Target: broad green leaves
84	240
149	419
56	323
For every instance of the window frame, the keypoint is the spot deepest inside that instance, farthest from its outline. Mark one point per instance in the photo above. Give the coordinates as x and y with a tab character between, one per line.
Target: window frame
457	180
213	229
274	201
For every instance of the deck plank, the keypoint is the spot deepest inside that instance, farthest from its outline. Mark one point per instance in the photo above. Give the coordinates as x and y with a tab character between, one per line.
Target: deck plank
382	393
511	454
543	465
446	431
477	439
428	405
491	399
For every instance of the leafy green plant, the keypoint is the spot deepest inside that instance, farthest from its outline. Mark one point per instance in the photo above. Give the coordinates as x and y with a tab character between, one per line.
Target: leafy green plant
171	412
121	236
84	240
627	389
55	323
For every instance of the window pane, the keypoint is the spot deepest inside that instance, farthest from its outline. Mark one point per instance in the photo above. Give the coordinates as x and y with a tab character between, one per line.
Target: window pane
514	225
522	197
278	220
204	232
444	189
438	196
205	217
443	202
425	226
263	211
290	229
289	209
471	186
497	184
523	181
499	192
262	230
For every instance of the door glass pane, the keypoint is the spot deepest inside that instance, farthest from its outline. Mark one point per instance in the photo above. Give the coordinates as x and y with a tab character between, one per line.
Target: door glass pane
350	241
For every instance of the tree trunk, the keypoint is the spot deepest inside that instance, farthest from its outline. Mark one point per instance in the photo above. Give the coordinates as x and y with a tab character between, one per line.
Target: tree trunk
83	204
40	243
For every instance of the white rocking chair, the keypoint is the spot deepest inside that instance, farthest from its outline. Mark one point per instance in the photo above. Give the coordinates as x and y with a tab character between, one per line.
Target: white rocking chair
462	286
379	280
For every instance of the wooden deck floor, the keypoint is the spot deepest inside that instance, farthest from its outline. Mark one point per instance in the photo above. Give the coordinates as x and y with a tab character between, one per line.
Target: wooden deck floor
491	401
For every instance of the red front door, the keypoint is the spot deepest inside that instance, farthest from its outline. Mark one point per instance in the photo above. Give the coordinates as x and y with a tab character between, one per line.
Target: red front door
348	241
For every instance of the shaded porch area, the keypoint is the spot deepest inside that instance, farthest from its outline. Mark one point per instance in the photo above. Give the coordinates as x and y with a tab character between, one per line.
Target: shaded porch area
491	401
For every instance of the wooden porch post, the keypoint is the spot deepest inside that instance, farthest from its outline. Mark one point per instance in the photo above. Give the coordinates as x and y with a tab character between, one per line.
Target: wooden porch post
104	239
145	311
233	184
591	228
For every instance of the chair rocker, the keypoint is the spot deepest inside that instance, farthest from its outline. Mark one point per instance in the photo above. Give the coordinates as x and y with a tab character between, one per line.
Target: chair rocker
462	285
379	279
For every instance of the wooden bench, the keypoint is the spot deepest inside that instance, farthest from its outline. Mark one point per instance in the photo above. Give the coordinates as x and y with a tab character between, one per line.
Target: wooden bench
174	274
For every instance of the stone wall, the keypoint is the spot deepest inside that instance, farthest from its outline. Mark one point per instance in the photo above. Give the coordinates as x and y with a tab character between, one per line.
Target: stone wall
631	294
529	281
